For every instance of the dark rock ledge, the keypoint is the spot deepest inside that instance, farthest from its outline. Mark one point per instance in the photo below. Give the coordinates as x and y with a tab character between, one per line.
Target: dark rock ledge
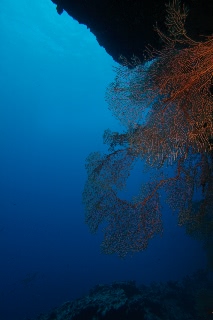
190	299
125	27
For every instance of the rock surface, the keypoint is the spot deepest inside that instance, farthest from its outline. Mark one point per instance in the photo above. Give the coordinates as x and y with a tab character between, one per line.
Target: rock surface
190	299
125	27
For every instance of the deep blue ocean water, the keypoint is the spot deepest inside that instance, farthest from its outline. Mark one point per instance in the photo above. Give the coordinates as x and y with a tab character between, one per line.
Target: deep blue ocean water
53	77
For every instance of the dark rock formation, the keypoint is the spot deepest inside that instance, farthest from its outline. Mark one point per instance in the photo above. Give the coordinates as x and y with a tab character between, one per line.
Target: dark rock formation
190	299
125	27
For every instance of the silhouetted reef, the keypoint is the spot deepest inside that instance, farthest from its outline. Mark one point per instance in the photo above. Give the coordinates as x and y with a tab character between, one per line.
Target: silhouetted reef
126	27
190	299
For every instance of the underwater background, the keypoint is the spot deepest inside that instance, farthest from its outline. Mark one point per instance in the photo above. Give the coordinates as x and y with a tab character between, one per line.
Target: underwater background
53	78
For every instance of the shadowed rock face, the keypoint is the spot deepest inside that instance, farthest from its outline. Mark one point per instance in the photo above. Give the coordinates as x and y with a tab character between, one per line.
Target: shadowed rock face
189	299
125	27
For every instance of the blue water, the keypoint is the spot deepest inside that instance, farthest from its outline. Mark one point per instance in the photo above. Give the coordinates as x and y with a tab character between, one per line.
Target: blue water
53	77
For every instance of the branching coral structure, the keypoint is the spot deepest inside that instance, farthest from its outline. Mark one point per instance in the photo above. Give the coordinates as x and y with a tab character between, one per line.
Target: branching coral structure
166	106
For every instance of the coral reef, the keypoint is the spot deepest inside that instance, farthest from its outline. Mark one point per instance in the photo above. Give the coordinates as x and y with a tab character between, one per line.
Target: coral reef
190	299
166	106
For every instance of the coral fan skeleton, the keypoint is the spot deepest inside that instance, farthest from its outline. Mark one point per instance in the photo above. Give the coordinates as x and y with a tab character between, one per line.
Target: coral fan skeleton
166	105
